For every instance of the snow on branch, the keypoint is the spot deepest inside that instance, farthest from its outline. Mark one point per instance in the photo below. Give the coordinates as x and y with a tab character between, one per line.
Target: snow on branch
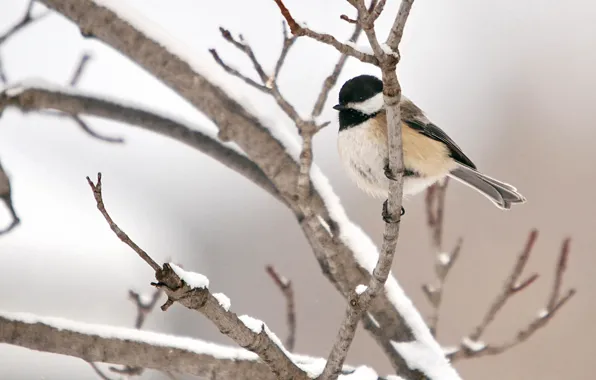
353	256
191	290
36	95
129	347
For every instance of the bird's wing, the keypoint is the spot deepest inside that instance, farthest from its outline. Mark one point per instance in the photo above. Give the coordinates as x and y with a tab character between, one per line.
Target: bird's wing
415	118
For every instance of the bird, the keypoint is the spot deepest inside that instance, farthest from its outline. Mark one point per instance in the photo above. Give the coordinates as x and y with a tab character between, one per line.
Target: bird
430	155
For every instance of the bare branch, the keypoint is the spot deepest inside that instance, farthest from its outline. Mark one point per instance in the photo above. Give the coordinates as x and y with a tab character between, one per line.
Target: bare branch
287	45
27	19
31	98
443	264
397	30
6	197
299	30
99	372
121	234
285	286
435	212
513	286
230	70
269	82
76	76
331	80
201	300
85	127
509	289
378	9
3	77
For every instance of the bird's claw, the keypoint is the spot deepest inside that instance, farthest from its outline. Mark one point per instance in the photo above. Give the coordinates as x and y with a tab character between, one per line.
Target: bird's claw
387	217
388	172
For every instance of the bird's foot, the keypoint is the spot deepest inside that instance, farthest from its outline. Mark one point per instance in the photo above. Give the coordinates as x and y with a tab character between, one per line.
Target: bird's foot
388	172
387	217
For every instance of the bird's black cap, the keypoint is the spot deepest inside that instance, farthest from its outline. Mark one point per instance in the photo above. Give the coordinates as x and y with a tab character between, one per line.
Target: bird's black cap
359	89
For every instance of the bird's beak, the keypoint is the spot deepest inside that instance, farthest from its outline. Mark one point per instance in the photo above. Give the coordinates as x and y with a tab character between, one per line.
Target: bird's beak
339	107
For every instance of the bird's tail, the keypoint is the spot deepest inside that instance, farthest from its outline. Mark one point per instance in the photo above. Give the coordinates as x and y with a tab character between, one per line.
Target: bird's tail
501	194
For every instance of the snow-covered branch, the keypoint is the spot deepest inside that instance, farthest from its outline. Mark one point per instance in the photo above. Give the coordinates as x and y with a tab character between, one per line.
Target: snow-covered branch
38	95
346	254
130	347
192	291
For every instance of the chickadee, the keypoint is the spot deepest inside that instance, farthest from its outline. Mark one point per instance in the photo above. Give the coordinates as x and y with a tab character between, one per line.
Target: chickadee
429	154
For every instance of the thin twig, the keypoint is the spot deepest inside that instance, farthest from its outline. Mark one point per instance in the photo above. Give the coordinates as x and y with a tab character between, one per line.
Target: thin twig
331	80
399	24
114	227
200	299
83	62
99	372
512	286
74	81
27	19
232	71
269	85
6	197
285	286
435	212
3	77
287	45
85	127
444	261
443	264
328	39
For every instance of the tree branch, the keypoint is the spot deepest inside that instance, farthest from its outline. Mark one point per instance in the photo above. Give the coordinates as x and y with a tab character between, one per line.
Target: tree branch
472	346
27	19
129	347
300	30
184	290
332	246
39	97
6	197
285	286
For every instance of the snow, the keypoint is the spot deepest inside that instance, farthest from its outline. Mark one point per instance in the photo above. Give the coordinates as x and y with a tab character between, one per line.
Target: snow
194	280
373	320
450	350
388	50
543	313
473	345
361	289
324	224
257	326
365	49
422	357
444	258
224	301
394	377
42	84
361	373
311	365
365	251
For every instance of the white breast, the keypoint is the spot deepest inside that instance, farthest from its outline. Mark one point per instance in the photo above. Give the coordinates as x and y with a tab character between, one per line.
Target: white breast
363	157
